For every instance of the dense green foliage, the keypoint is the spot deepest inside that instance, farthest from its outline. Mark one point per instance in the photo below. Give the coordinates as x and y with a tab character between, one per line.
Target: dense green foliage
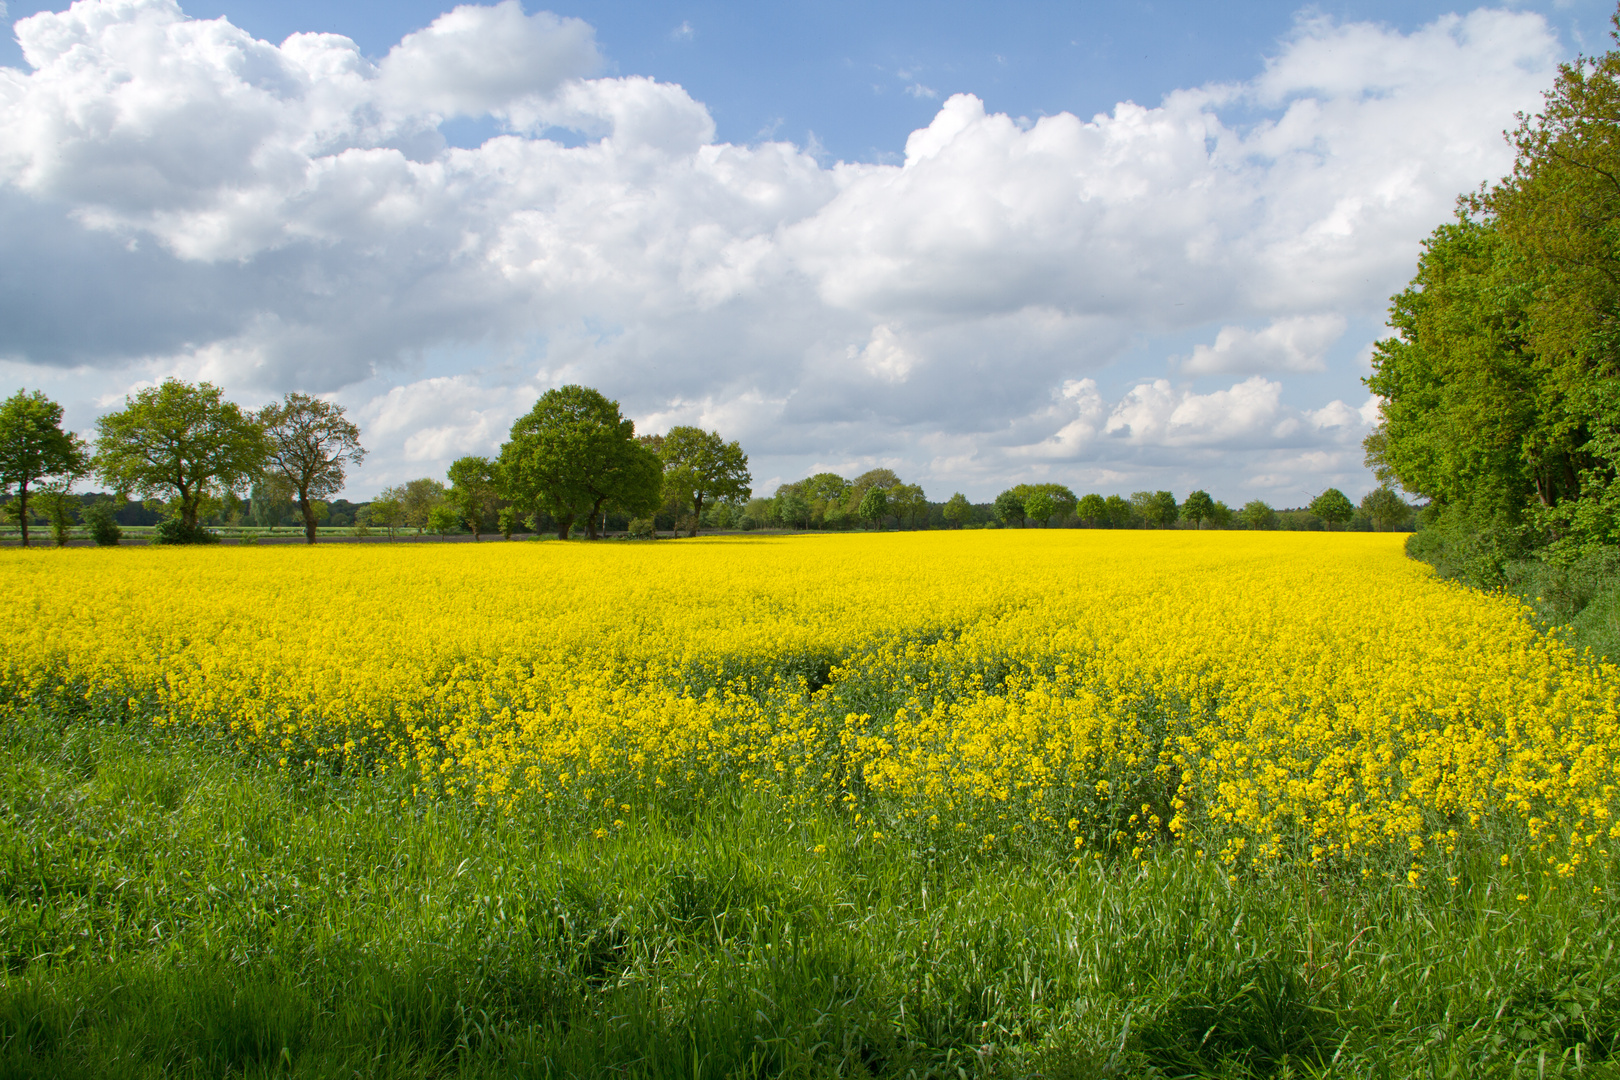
574	455
172	911
33	446
182	442
1499	388
1501	402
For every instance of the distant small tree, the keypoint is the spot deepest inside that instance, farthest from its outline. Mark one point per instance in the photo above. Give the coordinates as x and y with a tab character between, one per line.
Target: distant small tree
386	511
1092	510
957	509
418	499
1156	508
1120	513
790	506
909	503
473	492
442	519
1333	507
1386	510
508	519
311	443
1198	508
184	443
1222	516
1038	507
874	505
700	467
33	446
1009	508
1258	514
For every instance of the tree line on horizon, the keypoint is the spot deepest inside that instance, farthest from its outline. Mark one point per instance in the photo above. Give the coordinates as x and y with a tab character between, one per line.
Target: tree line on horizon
573	462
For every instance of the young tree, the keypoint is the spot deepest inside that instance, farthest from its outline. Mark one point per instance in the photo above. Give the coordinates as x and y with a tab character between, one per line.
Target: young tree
56	497
1010	508
1038	507
442	519
1257	514
874	505
1198	508
574	455
310	444
386	510
182	443
957	509
418	499
33	446
1333	507
1093	510
474	491
701	466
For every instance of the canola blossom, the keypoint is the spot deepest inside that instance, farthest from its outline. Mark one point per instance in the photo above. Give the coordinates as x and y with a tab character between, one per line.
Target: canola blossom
1258	698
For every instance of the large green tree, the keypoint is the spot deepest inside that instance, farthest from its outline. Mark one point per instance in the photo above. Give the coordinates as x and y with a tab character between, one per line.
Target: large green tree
182	443
700	467
575	456
33	447
311	443
1499	388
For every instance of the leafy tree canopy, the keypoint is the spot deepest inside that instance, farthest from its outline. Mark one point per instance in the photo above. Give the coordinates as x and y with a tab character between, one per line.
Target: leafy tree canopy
33	446
311	443
575	456
700	466
180	442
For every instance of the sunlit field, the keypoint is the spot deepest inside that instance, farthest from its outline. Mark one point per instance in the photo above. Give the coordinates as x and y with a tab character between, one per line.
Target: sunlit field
1113	734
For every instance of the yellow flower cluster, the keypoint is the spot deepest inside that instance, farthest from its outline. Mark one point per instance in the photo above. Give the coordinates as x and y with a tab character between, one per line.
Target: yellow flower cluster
1258	697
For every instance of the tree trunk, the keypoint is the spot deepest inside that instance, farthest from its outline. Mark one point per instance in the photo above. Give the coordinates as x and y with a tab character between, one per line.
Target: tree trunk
697	513
22	510
309	518
564	524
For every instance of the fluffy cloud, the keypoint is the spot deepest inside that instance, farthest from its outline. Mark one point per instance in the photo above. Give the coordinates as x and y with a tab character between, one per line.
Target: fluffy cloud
1290	344
277	217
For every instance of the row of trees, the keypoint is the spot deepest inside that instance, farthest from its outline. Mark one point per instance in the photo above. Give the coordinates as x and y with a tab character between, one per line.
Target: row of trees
572	460
177	443
1501	384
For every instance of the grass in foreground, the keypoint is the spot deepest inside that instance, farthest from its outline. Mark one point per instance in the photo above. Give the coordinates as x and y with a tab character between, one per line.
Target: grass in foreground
168	910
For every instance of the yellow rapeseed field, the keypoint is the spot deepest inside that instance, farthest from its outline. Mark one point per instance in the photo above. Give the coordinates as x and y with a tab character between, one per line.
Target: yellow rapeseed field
1260	698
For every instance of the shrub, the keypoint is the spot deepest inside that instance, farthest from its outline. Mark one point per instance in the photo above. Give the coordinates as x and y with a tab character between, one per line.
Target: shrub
104	528
175	531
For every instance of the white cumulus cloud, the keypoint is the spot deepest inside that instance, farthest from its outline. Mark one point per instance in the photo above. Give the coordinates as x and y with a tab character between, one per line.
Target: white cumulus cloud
192	200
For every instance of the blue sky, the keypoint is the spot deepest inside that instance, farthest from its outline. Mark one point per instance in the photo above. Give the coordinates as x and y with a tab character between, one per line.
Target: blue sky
1180	293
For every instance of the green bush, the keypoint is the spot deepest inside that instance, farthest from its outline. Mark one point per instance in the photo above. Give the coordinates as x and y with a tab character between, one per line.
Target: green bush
104	528
175	531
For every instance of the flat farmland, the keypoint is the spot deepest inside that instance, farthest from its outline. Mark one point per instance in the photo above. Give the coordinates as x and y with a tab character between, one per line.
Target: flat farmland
1064	802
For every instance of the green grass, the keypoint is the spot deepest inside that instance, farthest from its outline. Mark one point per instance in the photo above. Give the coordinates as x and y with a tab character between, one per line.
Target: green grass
169	911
